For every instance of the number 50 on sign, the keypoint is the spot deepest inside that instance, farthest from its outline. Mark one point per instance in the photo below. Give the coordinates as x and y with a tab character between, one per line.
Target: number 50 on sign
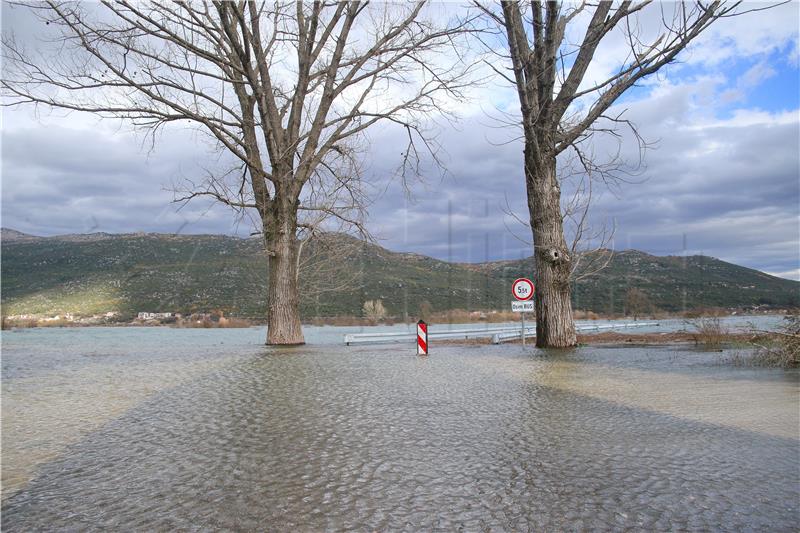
522	289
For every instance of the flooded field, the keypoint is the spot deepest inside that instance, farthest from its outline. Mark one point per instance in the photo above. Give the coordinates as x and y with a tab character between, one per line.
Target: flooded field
158	429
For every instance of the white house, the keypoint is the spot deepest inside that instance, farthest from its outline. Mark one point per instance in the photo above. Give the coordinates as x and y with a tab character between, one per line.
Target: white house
144	315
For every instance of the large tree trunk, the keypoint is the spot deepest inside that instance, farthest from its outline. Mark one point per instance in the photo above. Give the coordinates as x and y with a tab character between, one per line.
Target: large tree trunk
536	34
283	313
554	324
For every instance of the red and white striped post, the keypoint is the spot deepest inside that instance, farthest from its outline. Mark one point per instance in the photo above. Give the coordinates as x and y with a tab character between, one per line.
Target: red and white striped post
422	338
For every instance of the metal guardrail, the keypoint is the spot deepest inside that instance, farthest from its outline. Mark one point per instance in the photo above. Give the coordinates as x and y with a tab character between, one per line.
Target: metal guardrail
384	337
501	337
498	334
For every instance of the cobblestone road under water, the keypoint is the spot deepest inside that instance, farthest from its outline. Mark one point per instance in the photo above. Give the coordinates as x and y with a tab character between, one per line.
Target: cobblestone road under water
472	438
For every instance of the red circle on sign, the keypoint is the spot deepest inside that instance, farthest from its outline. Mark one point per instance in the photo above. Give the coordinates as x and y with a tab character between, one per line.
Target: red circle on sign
522	289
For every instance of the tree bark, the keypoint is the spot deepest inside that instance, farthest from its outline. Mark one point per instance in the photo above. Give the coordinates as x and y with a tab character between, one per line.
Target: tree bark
554	324
283	312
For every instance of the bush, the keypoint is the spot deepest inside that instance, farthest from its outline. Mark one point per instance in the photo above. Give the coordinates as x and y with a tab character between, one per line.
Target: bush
781	347
374	310
709	332
233	323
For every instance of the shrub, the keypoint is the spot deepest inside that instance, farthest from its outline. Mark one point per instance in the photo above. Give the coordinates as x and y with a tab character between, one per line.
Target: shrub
374	310
709	332
778	348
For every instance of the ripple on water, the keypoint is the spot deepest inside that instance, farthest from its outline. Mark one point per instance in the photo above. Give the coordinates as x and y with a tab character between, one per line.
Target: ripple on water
468	439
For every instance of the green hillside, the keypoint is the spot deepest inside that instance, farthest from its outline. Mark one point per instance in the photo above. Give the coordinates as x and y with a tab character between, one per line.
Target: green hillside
676	283
97	273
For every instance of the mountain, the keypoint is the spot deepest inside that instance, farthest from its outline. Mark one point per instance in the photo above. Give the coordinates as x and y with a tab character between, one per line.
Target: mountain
96	273
674	283
12	235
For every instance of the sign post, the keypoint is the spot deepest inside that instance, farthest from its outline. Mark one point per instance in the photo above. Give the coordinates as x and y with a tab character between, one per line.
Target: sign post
422	338
523	290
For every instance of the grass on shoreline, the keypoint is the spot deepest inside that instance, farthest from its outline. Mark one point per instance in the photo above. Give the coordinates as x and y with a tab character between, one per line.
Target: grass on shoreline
778	348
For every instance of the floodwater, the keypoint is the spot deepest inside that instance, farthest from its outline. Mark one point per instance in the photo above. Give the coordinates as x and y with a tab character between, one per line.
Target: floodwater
161	429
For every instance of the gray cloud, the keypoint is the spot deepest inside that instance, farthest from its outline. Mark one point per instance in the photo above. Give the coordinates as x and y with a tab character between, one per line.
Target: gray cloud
729	203
732	192
730	188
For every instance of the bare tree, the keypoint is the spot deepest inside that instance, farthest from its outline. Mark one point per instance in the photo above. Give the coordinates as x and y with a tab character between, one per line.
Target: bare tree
637	303
287	89
561	109
325	261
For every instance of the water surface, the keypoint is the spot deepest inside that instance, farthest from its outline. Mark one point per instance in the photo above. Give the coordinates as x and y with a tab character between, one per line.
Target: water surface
159	429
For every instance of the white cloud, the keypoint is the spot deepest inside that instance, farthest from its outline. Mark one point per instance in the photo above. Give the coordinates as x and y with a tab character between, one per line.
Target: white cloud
749	35
743	118
788	274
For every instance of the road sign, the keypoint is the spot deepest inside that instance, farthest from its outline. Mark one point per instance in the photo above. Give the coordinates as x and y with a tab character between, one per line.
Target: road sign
522	289
422	338
522	307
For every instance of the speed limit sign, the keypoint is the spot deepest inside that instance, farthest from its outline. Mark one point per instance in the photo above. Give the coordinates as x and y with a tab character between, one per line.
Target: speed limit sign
522	289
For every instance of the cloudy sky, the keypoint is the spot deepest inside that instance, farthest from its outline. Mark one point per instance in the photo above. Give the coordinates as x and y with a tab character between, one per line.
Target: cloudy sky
721	177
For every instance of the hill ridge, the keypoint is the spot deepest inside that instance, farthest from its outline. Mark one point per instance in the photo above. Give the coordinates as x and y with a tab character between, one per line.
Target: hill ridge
18	235
151	272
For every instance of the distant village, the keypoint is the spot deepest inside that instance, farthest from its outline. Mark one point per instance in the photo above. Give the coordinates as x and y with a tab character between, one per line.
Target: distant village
213	319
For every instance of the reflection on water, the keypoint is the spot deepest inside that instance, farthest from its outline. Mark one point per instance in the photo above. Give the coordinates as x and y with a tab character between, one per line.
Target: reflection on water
237	436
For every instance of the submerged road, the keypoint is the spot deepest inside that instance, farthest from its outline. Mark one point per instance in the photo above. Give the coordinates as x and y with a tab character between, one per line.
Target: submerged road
152	429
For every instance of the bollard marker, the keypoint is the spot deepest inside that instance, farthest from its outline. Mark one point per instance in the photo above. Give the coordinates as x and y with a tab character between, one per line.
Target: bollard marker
422	338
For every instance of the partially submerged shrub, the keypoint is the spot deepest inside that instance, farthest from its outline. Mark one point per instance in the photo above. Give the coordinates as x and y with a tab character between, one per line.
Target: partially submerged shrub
780	347
709	332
